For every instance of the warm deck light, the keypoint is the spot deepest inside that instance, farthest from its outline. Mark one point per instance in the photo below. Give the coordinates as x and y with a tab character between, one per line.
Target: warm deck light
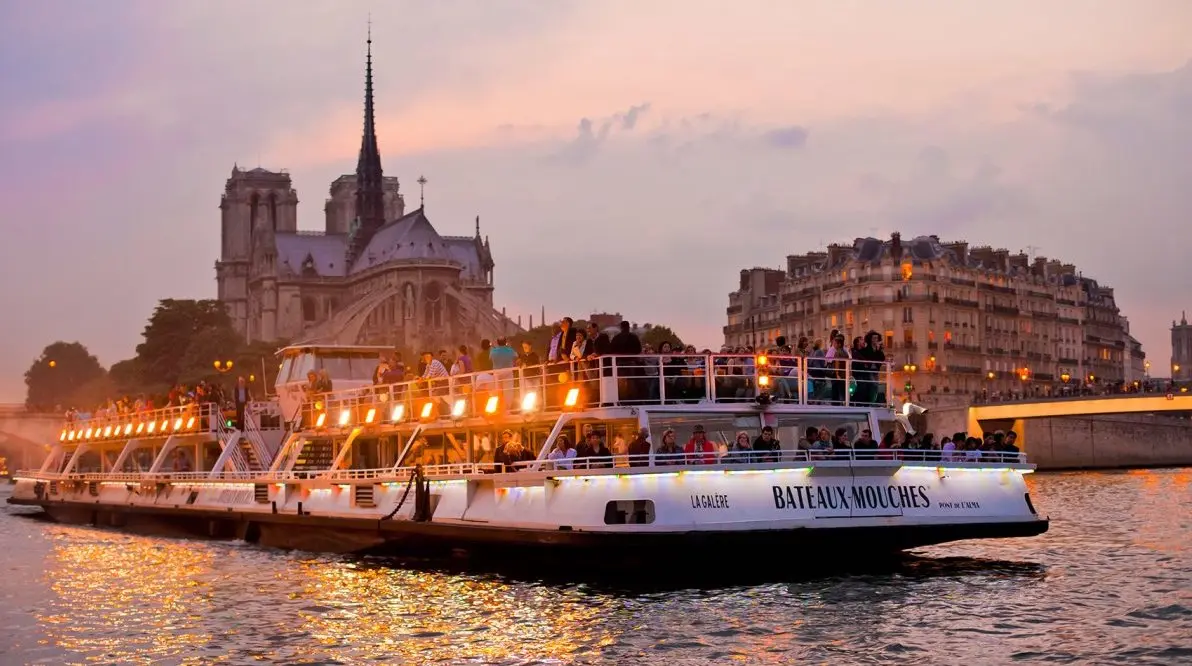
428	409
572	397
88	435
763	380
178	423
165	424
490	405
190	423
398	413
458	409
529	402
344	416
107	431
71	436
151	427
762	359
127	429
322	418
62	437
371	415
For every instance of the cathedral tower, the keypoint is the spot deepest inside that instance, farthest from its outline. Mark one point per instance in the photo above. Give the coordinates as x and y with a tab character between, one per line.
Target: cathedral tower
370	179
253	200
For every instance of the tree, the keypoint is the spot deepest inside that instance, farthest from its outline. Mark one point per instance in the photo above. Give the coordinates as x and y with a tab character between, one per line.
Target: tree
655	334
165	355
126	376
61	370
207	347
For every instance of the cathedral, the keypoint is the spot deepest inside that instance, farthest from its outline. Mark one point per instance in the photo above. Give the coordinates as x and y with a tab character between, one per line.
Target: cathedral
376	275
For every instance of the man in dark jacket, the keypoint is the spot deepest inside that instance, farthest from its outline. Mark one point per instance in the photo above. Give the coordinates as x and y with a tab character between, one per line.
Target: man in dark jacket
629	370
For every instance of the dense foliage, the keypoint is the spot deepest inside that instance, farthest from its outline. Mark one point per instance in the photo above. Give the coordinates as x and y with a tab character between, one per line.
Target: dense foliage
64	373
183	341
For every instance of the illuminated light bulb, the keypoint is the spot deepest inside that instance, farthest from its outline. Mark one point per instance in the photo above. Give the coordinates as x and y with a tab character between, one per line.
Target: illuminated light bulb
529	402
490	406
427	410
321	419
457	410
344	417
572	397
399	411
372	414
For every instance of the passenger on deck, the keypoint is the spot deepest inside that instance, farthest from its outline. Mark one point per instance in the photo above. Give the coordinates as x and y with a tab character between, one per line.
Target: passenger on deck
742	450
592	452
563	454
766	447
639	449
668	452
821	448
699	450
510	452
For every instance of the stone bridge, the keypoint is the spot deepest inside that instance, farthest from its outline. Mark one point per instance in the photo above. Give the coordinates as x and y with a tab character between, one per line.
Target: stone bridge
25	436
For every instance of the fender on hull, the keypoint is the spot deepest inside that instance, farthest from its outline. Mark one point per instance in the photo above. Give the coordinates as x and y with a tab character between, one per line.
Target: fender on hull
402	537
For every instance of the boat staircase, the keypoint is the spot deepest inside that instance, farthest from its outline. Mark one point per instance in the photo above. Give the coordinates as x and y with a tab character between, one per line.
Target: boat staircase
315	456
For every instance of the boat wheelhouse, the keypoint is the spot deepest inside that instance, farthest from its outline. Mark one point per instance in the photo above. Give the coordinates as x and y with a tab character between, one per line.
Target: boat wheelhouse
486	461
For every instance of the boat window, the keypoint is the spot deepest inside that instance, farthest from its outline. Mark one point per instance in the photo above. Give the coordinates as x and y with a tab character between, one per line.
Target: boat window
720	428
790	428
629	512
283	375
348	366
303	363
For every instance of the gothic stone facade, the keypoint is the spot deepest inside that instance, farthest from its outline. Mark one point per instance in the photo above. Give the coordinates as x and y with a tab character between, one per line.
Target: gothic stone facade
410	287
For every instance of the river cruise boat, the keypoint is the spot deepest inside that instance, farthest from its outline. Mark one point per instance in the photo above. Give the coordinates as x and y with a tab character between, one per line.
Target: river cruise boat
676	455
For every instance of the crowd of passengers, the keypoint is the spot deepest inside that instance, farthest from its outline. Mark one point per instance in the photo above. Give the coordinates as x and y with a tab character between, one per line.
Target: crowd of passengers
181	395
818	443
834	368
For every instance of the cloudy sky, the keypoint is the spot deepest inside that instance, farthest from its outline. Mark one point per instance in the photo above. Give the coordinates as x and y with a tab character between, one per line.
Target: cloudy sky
623	155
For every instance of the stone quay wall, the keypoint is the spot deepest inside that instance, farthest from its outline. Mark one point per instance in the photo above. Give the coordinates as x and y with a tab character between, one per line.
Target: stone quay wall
1115	441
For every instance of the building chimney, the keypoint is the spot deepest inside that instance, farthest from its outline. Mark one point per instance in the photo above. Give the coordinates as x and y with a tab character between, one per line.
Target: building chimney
896	246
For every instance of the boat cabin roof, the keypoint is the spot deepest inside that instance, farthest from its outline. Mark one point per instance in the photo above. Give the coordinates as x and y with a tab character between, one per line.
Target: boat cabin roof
338	350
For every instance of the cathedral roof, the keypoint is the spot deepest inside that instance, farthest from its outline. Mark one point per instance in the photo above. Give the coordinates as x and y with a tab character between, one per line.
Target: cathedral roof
299	253
413	237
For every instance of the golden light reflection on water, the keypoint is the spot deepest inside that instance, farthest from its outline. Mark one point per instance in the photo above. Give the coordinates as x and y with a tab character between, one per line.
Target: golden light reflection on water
127	599
376	611
148	594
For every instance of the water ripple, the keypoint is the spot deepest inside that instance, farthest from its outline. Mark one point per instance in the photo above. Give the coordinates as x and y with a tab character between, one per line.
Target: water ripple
1110	583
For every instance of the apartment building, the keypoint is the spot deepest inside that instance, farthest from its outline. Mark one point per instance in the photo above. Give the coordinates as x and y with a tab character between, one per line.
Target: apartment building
955	318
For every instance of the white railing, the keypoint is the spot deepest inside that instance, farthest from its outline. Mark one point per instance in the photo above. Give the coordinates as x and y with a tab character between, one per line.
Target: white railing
145	424
674	379
645	463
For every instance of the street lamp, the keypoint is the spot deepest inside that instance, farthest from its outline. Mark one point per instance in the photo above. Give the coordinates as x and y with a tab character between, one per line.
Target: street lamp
1092	378
52	363
1064	377
223	367
990	375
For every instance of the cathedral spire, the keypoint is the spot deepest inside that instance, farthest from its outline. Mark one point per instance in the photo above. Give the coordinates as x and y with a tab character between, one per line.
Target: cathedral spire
370	194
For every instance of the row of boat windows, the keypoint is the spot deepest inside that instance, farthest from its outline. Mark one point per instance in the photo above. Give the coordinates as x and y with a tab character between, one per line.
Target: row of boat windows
339	365
722	430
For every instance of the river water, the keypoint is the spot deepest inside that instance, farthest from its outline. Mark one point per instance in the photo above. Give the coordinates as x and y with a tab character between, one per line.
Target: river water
1110	583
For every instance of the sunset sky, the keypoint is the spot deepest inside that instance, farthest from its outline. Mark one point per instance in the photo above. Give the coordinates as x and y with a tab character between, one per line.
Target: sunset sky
622	156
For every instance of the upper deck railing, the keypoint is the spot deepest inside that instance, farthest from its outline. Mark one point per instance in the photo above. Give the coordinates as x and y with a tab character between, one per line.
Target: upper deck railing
646	463
187	419
607	381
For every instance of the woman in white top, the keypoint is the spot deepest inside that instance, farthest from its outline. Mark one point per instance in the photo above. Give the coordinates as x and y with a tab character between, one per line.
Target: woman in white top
563	455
